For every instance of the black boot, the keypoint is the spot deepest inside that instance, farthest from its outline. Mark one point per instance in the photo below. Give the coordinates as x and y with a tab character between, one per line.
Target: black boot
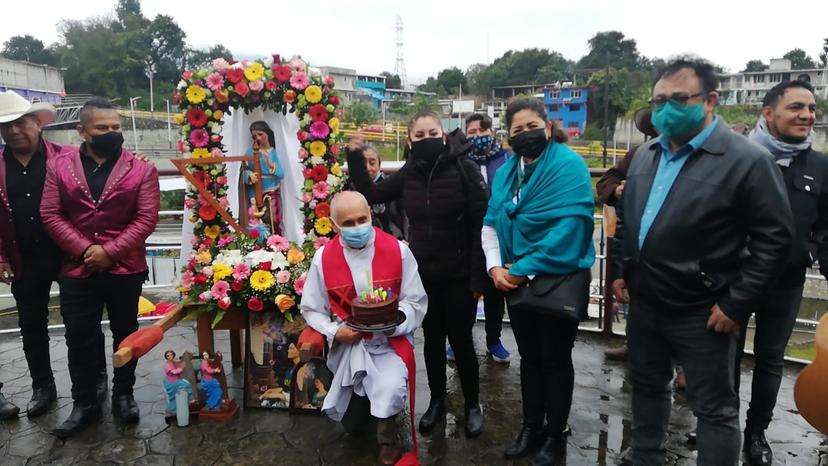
8	410
552	453
436	412
757	449
80	417
42	397
528	438
474	420
102	386
125	408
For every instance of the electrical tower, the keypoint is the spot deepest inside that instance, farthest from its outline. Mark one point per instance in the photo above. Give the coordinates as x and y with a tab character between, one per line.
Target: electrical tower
399	67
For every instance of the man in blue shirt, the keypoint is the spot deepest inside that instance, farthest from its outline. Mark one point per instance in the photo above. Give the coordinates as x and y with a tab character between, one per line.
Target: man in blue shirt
692	199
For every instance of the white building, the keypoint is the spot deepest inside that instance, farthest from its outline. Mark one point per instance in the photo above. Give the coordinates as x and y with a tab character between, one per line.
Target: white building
33	81
344	81
751	87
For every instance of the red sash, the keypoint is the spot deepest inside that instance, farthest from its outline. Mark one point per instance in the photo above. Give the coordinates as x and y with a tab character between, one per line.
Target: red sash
386	272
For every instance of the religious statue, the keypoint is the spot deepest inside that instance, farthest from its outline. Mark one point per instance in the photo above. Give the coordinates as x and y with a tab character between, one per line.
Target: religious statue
267	172
174	382
209	382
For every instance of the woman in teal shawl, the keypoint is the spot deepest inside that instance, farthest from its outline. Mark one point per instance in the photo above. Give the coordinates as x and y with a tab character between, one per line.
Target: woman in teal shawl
539	222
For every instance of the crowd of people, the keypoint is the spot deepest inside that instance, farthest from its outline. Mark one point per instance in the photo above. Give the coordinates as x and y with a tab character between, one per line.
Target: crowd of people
713	227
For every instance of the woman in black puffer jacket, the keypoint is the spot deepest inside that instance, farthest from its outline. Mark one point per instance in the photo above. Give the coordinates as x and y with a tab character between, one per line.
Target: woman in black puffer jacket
445	198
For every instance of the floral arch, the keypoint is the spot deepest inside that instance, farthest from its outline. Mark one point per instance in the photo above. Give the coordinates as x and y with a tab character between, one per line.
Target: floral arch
236	269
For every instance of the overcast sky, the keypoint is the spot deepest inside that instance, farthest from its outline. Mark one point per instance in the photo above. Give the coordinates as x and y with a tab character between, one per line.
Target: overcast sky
440	33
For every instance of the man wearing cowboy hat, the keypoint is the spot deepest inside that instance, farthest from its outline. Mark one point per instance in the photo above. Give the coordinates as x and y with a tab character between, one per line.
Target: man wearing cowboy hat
29	259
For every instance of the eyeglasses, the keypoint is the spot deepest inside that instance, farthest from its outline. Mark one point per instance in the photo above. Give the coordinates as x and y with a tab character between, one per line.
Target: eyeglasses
675	99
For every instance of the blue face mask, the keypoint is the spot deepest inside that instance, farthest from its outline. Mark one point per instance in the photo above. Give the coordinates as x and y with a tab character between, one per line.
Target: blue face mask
677	120
357	237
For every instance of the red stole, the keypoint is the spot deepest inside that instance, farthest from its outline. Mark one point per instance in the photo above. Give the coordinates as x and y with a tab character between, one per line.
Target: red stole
386	272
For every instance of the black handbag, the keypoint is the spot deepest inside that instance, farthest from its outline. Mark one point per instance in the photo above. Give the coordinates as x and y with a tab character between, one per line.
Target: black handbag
563	296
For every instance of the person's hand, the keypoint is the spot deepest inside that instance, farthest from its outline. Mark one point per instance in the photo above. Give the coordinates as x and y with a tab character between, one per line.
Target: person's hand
347	335
254	178
141	156
499	275
516	279
619	291
619	190
6	274
97	259
719	321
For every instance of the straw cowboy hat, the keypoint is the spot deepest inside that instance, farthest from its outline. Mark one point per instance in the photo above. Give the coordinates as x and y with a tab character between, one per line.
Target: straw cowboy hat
14	106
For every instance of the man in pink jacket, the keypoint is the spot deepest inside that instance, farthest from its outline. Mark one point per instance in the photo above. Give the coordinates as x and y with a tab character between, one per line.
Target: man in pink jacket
99	205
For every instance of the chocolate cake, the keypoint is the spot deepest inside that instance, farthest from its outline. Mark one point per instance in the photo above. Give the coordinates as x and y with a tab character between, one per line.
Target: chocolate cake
371	314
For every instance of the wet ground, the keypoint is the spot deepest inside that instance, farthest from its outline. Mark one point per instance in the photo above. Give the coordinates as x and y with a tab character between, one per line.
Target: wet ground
600	419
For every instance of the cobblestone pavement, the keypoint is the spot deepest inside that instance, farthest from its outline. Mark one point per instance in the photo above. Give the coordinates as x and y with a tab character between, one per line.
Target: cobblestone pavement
600	419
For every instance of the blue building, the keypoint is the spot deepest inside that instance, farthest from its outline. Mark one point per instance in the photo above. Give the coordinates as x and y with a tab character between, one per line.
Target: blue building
567	105
371	88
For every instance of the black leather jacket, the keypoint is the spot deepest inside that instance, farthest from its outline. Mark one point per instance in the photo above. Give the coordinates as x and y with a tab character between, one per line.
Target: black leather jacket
722	235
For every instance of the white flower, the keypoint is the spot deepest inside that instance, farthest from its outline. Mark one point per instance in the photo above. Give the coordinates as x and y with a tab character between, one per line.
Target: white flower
182	84
257	257
280	261
333	180
316	160
267	61
231	257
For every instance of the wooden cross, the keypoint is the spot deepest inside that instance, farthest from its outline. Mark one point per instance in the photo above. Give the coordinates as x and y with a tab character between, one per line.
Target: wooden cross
181	165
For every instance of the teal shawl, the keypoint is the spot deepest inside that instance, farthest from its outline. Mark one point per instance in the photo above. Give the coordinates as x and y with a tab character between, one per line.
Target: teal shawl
549	230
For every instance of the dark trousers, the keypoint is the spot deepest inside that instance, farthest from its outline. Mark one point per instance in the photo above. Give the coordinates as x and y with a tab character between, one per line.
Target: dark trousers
775	318
31	294
357	419
494	306
452	311
656	334
547	376
82	301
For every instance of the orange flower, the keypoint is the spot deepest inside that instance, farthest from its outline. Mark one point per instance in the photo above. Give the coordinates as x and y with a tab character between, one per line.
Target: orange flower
222	96
284	302
295	256
289	97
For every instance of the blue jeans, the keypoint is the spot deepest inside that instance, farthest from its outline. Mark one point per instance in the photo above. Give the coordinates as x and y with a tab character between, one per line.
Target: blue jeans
656	334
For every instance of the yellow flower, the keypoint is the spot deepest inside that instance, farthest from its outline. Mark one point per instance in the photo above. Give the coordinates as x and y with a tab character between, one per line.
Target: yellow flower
200	153
322	226
313	94
221	271
195	94
336	169
254	72
213	231
334	124
217	114
318	148
296	256
284	302
178	118
204	257
261	280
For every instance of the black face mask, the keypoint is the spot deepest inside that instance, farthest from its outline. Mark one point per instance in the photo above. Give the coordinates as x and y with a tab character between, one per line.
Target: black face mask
427	150
529	144
108	144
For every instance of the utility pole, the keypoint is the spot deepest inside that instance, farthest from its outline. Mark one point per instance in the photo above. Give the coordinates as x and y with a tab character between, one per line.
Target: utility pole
132	101
169	124
606	112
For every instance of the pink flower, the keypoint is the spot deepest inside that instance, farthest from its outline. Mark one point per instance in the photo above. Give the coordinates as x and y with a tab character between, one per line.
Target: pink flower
220	289
321	242
216	152
303	154
299	80
321	190
256	86
319	130
282	277
199	138
215	81
224	303
329	80
207	271
187	74
242	89
187	279
306	197
241	271
299	285
225	240
224	203
278	243
221	64
298	65
312	204
189	204
204	297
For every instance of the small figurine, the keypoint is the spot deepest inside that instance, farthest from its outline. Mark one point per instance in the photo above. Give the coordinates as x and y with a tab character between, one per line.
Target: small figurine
211	386
173	382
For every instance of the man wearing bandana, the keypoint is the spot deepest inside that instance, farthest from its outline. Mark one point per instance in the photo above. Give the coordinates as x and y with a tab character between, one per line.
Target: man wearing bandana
786	130
489	155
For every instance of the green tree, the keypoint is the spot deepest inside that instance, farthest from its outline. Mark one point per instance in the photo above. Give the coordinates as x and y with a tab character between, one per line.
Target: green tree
626	90
528	66
823	57
27	48
167	52
613	49
451	79
199	58
424	103
360	113
754	65
799	59
392	81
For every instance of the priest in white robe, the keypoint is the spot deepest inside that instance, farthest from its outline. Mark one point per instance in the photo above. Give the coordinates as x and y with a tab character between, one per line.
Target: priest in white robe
370	374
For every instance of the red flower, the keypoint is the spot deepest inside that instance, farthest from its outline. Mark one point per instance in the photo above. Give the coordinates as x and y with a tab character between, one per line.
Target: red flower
333	100
302	135
235	75
318	113
207	213
323	209
319	173
224	303
237	286
276	59
187	74
200	279
221	180
207	242
253	233
282	73
270	85
203	178
197	117
266	265
255	304
288	97
307	173
334	149
242	89
176	97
